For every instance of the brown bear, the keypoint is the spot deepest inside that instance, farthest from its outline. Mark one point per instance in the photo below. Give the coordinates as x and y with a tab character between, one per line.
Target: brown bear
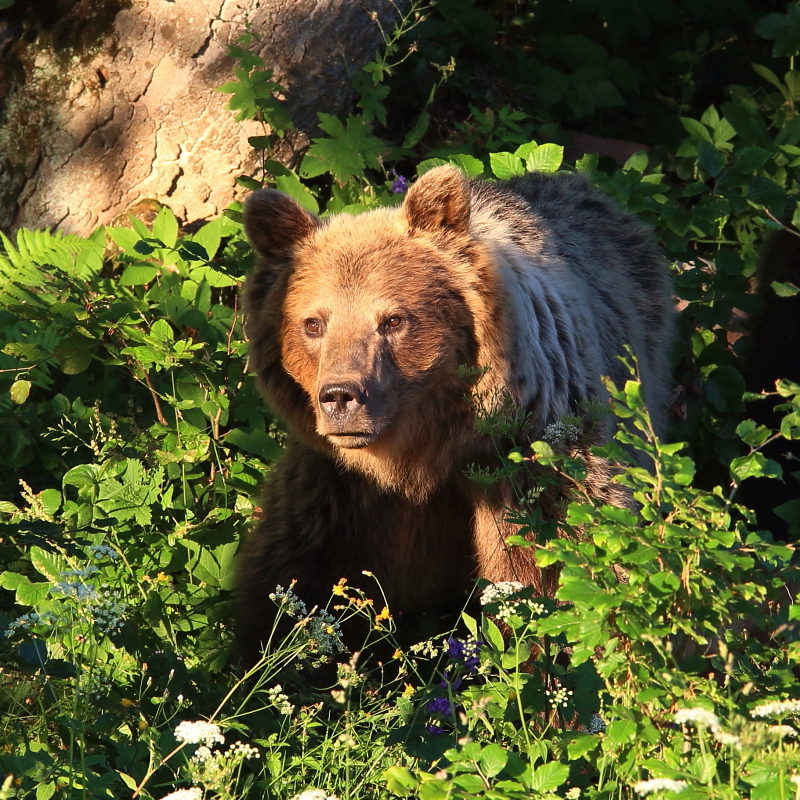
360	330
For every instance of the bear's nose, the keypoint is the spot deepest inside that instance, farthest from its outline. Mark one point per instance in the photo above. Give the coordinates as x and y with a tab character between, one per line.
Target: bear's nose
341	400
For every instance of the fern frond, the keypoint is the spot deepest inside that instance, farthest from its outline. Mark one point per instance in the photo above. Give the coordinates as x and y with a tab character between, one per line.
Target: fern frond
24	267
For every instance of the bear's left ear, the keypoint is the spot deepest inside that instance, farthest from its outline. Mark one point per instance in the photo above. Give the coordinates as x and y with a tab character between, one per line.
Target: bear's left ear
275	224
439	202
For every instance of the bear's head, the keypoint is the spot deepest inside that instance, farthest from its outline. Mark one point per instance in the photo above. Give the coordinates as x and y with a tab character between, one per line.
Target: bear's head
359	326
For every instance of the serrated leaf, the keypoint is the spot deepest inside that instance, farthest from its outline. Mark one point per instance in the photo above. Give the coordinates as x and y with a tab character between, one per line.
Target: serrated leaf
545	158
709	159
47	564
165	227
137	275
492	759
347	151
637	162
469	165
19	391
696	129
549	777
505	165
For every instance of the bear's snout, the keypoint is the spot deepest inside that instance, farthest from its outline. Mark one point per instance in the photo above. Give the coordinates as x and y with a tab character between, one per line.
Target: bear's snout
341	401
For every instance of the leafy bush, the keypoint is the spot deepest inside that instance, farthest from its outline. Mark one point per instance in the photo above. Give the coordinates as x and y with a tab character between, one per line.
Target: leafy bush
133	445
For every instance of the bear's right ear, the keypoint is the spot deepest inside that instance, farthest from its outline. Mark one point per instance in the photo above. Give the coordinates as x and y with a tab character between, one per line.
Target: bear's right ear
275	224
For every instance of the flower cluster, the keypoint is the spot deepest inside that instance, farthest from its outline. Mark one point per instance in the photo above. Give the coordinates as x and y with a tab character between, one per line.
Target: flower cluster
558	695
279	700
314	794
98	552
699	717
399	185
195	793
558	432
658	785
467	653
289	602
497	592
324	633
31	620
776	708
596	724
201	732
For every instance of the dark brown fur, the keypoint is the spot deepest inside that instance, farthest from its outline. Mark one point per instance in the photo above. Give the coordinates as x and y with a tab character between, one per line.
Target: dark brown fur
358	329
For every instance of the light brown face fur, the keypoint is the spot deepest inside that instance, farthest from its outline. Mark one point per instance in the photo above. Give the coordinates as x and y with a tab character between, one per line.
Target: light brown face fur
373	328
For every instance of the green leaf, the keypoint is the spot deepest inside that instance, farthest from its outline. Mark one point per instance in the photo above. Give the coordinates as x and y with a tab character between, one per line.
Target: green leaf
346	153
470	166
162	330
784	289
290	184
545	158
434	789
579	747
255	442
48	564
137	275
44	791
165	227
213	277
709	159
549	777
784	29
724	388
493	636
399	781
418	131
74	354
621	731
492	760
755	465
637	162
696	129
19	391
505	165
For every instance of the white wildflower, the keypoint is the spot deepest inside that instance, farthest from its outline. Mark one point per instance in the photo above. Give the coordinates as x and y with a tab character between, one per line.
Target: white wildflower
195	793
280	701
728	739
795	779
242	750
783	731
426	648
574	793
499	591
202	754
558	696
700	717
314	794
658	785
558	432
776	708
206	733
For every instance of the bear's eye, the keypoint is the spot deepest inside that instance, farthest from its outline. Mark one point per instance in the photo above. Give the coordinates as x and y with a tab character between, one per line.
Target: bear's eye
313	327
394	322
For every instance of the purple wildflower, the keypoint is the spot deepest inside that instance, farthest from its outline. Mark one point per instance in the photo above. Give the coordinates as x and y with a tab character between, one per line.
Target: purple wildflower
453	683
439	705
399	185
455	648
434	729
